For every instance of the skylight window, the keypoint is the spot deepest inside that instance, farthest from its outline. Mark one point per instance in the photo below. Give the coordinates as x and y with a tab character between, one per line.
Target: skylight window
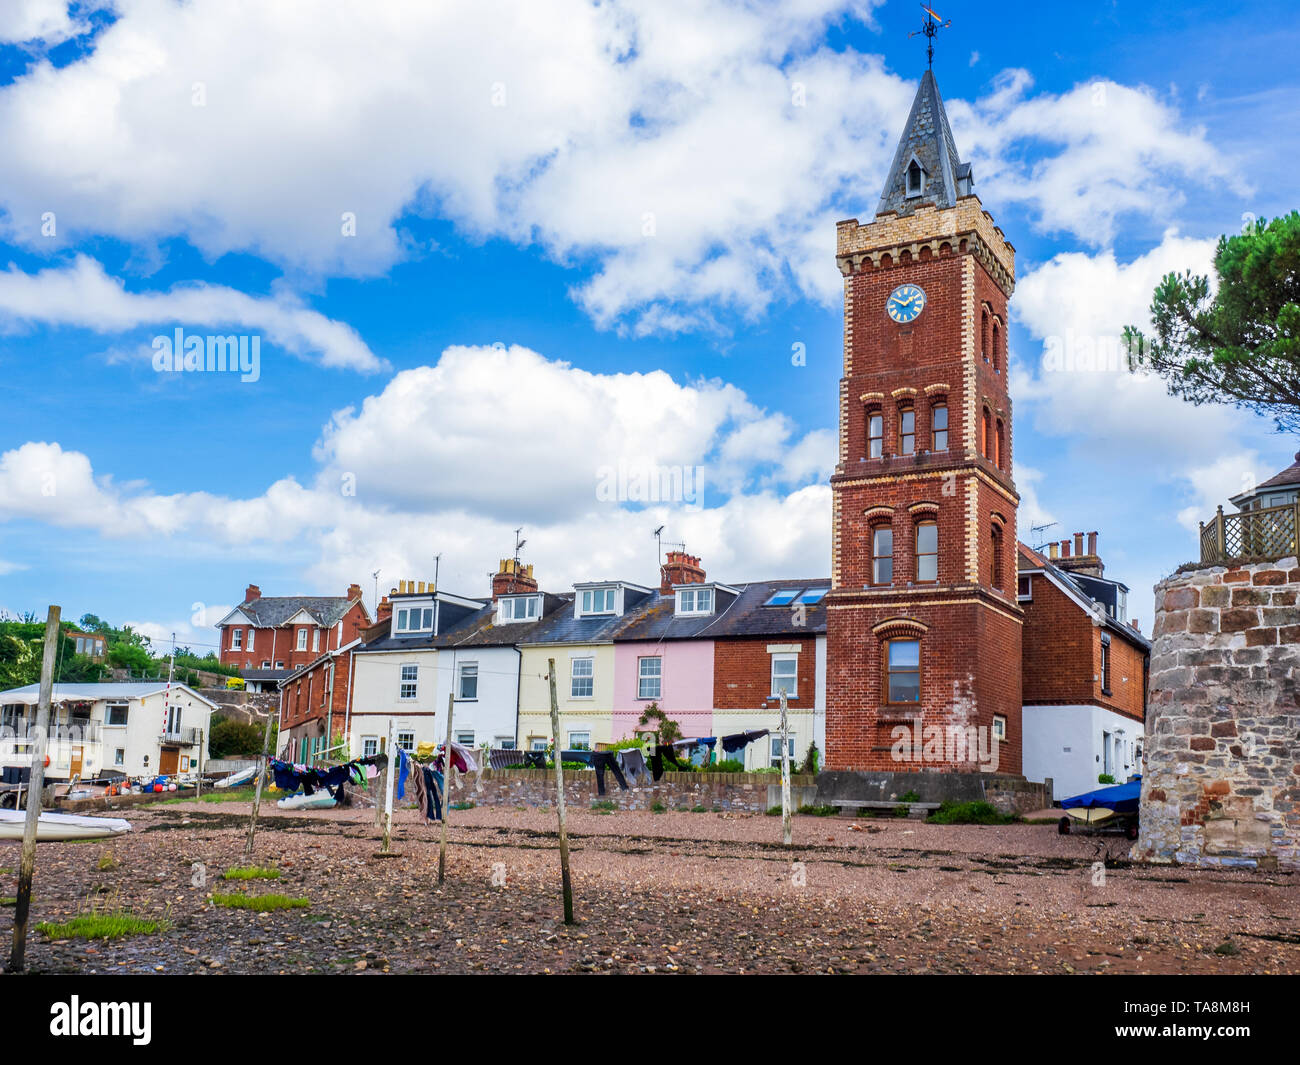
812	595
783	598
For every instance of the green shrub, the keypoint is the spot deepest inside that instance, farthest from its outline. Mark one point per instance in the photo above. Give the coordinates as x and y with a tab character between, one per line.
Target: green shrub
657	807
727	765
968	813
1105	778
604	806
774	811
811	760
908	797
818	811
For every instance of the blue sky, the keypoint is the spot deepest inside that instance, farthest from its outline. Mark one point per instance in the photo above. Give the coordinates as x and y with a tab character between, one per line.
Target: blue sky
584	237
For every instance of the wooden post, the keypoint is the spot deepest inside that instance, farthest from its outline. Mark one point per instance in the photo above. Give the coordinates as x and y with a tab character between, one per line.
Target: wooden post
262	770
389	784
35	786
559	797
787	828
381	784
446	791
1221	535
198	777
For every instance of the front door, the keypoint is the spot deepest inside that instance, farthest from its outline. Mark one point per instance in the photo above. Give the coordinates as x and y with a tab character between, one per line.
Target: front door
74	764
168	759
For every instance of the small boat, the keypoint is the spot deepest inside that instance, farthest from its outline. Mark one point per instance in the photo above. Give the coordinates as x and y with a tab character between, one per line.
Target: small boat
317	800
1113	804
52	828
235	779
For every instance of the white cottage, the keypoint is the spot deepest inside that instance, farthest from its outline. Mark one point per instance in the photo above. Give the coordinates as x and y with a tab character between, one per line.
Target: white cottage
137	728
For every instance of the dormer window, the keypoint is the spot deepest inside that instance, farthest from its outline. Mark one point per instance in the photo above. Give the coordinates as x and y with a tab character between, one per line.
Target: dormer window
915	178
413	619
597	601
519	608
694	601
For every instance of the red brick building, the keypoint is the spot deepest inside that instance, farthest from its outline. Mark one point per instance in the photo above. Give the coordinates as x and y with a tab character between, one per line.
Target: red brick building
923	626
268	637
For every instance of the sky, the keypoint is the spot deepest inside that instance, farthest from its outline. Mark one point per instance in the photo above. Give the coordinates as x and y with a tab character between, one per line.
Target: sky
503	265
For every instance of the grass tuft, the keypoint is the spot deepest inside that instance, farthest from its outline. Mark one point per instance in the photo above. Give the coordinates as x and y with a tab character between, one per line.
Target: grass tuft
113	925
969	813
260	903
252	872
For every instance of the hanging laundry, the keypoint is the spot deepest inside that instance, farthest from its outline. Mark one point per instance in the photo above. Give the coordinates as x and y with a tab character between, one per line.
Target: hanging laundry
403	768
632	762
663	753
503	757
463	758
603	760
576	756
433	786
740	740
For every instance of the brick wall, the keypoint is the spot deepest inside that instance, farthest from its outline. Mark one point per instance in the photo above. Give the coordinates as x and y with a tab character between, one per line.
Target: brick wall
742	672
1062	656
1222	779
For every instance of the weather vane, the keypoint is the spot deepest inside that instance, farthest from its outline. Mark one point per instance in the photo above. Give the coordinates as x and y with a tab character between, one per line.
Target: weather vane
933	24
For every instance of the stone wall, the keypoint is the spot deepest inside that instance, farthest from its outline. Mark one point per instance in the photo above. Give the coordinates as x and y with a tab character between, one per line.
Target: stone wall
747	792
1222	779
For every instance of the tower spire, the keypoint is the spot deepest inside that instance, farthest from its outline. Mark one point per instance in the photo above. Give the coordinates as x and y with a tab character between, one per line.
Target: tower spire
926	166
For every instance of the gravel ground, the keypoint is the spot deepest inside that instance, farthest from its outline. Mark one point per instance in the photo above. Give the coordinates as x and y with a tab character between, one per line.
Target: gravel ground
672	892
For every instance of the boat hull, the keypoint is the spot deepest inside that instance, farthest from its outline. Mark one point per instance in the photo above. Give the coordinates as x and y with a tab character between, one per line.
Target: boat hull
54	828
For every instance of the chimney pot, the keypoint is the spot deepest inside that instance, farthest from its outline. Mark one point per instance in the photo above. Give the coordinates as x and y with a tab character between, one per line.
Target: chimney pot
1092	543
679	568
512	578
1065	548
1053	549
1078	543
1136	624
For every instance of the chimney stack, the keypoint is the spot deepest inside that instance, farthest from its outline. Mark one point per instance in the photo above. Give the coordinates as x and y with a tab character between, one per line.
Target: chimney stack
1078	543
1065	548
512	578
679	568
1053	549
1089	564
1092	543
252	592
384	610
354	592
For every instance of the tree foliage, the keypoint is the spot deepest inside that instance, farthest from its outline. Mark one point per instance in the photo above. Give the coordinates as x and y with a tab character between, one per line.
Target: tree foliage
1238	340
234	739
669	731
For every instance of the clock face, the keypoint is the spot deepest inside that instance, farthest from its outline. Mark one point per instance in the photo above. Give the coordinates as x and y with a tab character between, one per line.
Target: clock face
905	303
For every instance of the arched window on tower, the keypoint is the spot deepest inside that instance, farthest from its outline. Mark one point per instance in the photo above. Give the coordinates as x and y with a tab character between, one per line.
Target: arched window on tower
984	333
996	347
882	554
915	180
927	552
875	434
1000	444
986	434
995	556
939	425
906	429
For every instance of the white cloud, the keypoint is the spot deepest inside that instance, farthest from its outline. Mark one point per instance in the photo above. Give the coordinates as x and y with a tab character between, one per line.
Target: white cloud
83	295
688	156
437	469
1084	160
44	20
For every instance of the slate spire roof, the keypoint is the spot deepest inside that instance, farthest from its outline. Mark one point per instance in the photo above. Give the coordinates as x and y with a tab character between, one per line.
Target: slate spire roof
928	140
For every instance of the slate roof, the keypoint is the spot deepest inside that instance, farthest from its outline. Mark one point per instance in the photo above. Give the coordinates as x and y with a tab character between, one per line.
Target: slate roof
1288	477
270	611
64	693
750	616
1038	560
929	137
480	628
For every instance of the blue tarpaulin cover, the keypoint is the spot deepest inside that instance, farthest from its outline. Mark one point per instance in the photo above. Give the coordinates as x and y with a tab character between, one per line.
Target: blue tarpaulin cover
1122	798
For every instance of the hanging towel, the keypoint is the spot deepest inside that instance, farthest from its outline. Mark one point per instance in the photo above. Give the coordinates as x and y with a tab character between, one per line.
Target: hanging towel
501	757
403	767
463	758
740	740
632	762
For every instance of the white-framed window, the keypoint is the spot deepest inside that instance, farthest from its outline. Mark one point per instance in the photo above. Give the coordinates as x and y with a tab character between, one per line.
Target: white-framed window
785	674
115	714
409	682
999	728
465	739
315	640
266	664
1025	588
467	681
302	637
505	743
582	677
598	601
252	640
695	601
415	619
537	743
119	756
649	677
369	746
776	748
236	639
521	608
406	740
279	665
579	741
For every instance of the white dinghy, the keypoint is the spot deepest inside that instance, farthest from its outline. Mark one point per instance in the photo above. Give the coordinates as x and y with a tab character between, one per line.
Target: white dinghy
52	828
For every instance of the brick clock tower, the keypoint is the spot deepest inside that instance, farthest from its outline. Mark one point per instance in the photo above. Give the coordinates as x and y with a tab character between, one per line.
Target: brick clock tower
923	626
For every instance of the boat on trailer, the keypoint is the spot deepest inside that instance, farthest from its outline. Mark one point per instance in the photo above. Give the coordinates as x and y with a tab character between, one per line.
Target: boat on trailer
1114	806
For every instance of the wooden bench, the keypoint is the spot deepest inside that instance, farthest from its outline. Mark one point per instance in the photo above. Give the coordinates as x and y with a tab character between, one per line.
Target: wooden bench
884	804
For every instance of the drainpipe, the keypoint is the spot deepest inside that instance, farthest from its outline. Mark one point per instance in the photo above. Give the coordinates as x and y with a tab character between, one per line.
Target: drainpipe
519	681
347	706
